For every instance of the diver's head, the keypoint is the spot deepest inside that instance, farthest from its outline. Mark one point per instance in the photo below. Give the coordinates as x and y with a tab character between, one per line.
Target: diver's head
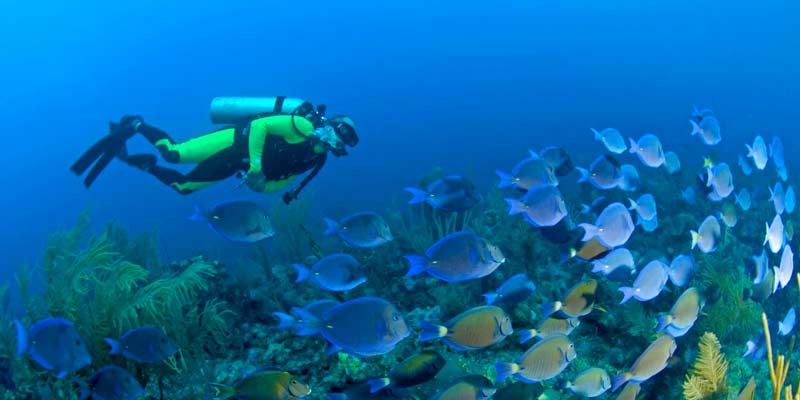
345	130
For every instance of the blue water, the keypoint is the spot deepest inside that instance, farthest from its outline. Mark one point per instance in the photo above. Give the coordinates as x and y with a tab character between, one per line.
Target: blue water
467	86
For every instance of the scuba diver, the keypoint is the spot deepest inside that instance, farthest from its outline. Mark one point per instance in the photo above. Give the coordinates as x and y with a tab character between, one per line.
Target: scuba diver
268	142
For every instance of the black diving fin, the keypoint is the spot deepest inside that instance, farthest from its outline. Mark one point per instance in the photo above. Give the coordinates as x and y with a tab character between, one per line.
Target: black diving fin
101	153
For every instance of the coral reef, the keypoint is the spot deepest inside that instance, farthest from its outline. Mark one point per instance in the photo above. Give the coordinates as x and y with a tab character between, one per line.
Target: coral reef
707	377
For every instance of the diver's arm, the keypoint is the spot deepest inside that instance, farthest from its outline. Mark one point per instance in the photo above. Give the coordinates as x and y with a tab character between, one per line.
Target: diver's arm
293	129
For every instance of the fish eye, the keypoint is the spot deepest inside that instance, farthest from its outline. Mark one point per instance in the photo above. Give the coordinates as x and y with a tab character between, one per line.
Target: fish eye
396	317
294	382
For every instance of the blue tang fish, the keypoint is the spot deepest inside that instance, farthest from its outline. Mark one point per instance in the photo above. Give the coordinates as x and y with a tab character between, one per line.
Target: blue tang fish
528	173
364	326
630	178
55	344
613	228
649	150
449	194
147	344
611	139
515	290
237	221
604	173
316	308
786	326
111	383
648	284
542	206
459	256
364	229
336	272
747	167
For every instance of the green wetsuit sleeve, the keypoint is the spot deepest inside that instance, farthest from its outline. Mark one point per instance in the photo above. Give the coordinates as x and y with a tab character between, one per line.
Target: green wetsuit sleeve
291	129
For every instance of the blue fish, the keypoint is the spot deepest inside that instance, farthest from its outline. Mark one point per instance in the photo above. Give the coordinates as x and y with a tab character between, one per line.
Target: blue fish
147	344
745	164
557	158
364	229
111	383
336	272
708	130
618	265
743	199
364	326
613	227
55	344
597	205
459	256
681	270
689	195
604	173
649	150
672	163
449	194
316	308
515	290
647	225
528	173
542	206
648	284
645	206
776	153
611	139
776	196
789	200
761	267
630	178
237	221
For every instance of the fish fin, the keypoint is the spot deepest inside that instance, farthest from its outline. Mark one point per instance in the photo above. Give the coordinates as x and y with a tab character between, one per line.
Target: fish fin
490	298
431	331
285	321
585	209
333	227
505	179
332	349
589	231
337	396
627	293
378	384
83	387
663	322
419	195
303	273
515	206
550	308
22	338
633	204
115	346
309	323
584	174
533	154
634	148
223	391
780	328
505	370
62	374
695	127
750	150
766	237
199	214
696	238
771	194
417	264
527	334
597	135
620	380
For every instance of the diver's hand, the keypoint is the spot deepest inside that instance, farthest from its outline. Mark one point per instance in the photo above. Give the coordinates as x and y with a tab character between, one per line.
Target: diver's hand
255	181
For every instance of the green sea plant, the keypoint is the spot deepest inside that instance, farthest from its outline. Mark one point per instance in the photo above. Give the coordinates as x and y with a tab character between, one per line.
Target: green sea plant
707	378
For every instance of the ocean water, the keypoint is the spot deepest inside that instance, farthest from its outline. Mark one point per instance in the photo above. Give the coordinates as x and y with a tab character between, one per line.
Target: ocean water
465	86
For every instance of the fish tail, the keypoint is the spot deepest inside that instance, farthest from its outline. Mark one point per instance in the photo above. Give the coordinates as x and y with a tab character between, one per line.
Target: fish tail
431	331
584	174
527	334
597	135
781	328
533	154
309	324
333	227
696	238
634	147
589	231
505	370
223	391
627	293
695	127
620	380
417	264
585	209
505	178
285	321
566	255
378	384
83	387
633	205
199	214
490	298
22	338
515	206
750	151
303	273
663	321
115	346
549	309
419	195
766	237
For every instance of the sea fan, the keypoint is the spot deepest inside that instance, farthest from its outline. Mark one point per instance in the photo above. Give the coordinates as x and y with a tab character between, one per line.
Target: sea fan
708	374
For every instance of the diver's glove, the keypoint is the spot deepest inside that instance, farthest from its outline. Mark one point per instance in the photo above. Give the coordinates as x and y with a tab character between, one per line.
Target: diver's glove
132	121
256	181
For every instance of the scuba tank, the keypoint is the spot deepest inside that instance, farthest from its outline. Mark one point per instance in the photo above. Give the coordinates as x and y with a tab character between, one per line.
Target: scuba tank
237	110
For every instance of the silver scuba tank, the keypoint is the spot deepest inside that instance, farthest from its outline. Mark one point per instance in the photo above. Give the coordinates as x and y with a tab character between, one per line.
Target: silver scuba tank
234	110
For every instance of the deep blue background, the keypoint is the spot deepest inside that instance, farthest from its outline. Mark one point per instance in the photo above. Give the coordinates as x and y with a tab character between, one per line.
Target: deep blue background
462	85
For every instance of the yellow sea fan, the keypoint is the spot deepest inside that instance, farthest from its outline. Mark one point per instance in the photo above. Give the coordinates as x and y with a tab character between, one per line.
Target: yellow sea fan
708	374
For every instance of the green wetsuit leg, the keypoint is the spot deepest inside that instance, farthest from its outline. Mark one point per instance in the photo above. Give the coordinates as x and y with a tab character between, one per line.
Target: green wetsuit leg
220	166
192	151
